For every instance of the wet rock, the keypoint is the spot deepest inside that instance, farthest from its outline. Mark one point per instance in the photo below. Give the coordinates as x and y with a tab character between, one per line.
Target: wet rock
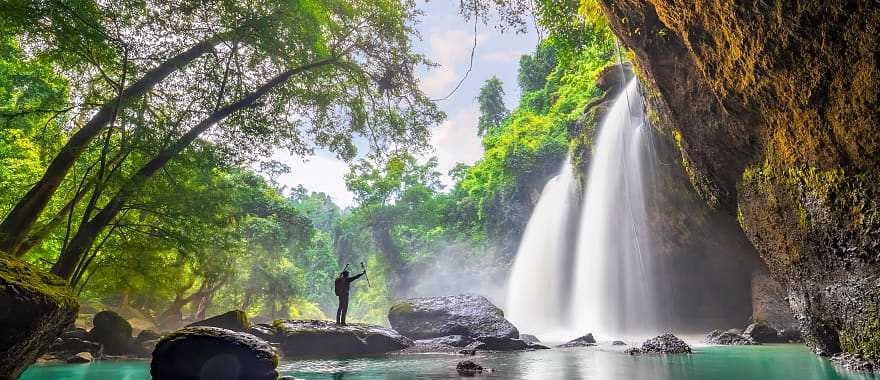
853	362
82	357
432	317
494	343
468	368
76	333
213	353
36	308
618	343
791	335
584	341
320	338
762	333
235	320
449	340
528	338
468	352
263	331
633	351
113	332
67	346
665	344
144	343
729	337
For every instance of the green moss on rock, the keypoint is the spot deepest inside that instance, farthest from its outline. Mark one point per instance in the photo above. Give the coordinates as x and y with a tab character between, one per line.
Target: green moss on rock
37	308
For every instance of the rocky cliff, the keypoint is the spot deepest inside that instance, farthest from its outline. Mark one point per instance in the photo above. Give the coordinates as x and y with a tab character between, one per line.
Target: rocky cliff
774	108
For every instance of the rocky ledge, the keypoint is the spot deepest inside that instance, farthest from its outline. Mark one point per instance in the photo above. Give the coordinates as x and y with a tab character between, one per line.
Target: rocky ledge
433	317
325	338
732	337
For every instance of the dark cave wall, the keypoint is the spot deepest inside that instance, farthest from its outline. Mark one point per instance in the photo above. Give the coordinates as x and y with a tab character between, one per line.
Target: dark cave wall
774	109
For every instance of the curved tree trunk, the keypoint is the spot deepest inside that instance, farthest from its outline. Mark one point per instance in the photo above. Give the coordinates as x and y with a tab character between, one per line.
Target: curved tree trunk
88	231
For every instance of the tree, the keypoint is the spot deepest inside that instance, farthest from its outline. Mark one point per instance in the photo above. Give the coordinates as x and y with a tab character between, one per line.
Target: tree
534	68
492	109
354	78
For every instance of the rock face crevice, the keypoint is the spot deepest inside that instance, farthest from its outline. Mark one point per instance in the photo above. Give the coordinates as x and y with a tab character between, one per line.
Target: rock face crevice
774	107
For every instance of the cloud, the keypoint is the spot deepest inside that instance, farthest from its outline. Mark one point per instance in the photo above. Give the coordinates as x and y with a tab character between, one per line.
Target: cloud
318	173
449	49
456	140
503	55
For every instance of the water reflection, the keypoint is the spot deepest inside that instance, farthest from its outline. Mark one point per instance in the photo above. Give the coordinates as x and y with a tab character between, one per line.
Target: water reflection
770	362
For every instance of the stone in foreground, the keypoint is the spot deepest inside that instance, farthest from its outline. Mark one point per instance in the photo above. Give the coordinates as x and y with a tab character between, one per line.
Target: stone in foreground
729	338
325	338
663	344
196	353
37	308
528	338
467	315
235	320
584	341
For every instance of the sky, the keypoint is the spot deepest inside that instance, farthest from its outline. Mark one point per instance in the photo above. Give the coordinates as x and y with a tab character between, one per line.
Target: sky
446	39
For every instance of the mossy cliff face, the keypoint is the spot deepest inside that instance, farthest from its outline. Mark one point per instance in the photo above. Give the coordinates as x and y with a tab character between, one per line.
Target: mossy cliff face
774	106
35	308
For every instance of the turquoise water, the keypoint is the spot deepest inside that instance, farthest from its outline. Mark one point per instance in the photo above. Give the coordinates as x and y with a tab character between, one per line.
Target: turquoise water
790	362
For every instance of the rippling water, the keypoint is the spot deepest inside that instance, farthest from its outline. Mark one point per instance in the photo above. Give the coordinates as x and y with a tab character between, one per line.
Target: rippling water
767	362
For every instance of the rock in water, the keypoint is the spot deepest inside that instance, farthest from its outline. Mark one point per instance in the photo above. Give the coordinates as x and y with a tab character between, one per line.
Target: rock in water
584	341
316	338
112	331
467	315
235	320
729	337
468	368
618	343
196	353
451	341
760	332
528	338
665	344
36	308
493	343
82	357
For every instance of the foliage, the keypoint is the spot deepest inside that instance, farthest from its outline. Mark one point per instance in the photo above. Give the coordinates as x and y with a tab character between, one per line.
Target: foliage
492	109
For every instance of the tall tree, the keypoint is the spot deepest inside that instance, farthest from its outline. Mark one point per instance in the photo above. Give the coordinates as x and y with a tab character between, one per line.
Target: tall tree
346	69
492	108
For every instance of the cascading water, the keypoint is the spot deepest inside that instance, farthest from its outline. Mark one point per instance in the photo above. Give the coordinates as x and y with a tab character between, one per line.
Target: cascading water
603	283
614	283
537	294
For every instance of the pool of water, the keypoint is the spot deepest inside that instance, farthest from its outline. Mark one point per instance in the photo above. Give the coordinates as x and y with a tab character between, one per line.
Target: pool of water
766	362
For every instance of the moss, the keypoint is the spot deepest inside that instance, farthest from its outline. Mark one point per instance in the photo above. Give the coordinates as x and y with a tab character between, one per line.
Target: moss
401	308
25	279
866	341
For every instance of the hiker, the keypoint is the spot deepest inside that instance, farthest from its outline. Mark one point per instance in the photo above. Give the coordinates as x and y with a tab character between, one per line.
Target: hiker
343	284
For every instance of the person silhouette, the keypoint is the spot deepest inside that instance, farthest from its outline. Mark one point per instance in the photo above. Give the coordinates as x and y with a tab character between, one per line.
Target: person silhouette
342	288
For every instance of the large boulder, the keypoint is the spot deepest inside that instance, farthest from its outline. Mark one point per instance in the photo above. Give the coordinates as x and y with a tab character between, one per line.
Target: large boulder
494	343
36	308
196	353
466	315
235	320
324	338
112	331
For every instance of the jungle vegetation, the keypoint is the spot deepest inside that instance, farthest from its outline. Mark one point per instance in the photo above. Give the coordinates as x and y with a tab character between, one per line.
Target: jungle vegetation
131	136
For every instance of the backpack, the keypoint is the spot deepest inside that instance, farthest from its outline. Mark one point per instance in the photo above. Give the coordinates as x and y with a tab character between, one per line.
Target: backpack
340	286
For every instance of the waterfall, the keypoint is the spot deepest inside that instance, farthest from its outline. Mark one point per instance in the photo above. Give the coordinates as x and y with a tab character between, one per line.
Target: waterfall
604	282
537	292
614	283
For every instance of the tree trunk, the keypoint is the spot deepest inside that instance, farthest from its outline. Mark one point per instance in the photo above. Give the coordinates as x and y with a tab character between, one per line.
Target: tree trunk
88	232
17	224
